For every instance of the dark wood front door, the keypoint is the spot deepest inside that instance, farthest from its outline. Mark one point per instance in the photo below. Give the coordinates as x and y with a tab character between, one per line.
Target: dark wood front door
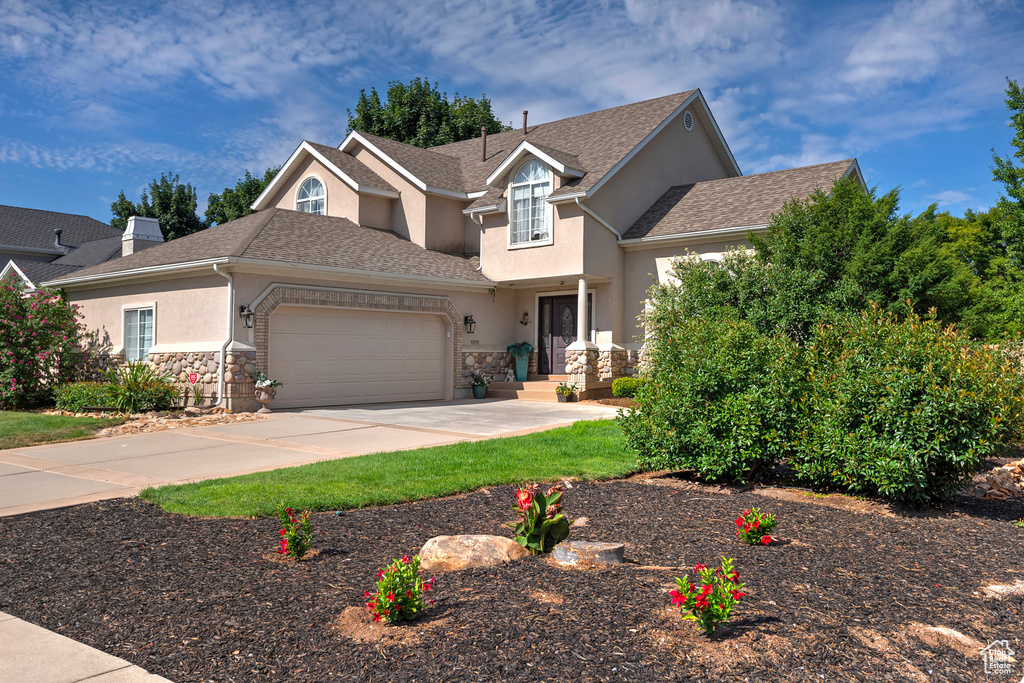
558	321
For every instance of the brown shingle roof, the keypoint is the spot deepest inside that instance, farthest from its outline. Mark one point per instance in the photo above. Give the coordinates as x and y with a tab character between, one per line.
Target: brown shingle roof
595	141
294	237
431	166
352	167
732	202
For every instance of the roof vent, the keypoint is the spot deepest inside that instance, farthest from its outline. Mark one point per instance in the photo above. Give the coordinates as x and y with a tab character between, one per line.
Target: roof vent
688	120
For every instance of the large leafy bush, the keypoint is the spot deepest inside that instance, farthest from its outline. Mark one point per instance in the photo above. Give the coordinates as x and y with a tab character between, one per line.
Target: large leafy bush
137	386
76	396
717	395
40	333
906	409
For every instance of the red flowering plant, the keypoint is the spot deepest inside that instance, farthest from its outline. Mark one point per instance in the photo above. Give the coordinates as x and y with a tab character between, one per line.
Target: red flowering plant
296	535
542	525
753	526
711	601
400	591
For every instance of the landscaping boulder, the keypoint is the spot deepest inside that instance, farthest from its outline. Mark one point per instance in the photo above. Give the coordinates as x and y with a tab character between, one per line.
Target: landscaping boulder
448	553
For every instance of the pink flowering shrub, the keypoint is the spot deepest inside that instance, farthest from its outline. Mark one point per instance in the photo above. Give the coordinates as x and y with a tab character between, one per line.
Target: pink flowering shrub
753	526
40	337
400	591
711	602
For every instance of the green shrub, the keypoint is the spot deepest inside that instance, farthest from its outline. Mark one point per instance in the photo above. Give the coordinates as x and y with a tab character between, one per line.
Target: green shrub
904	409
626	387
716	397
79	395
138	387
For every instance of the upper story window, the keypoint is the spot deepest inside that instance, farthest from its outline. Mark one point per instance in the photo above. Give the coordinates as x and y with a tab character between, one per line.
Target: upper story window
311	197
531	215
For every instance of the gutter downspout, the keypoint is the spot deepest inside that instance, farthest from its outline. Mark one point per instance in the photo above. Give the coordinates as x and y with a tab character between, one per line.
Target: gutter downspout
597	218
480	221
224	347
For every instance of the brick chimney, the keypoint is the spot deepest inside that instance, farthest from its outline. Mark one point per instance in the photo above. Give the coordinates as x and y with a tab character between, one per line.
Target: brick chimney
142	233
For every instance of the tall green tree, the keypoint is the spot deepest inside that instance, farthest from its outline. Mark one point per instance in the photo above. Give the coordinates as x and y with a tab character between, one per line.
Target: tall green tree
168	200
419	114
236	202
1011	175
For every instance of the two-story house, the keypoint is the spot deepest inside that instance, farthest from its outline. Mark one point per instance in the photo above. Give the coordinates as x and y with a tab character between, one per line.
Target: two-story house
377	271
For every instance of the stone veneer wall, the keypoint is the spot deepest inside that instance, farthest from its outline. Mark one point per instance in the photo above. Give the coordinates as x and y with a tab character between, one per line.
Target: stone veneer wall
581	366
494	364
617	363
238	377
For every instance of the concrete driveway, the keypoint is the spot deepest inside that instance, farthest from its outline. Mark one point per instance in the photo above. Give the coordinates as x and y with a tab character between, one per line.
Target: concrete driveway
56	475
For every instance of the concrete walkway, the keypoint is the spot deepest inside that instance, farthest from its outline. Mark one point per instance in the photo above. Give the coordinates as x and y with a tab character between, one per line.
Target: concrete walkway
62	474
30	654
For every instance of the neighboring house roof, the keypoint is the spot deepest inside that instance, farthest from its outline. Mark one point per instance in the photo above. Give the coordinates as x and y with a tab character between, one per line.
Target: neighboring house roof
746	201
287	236
33	228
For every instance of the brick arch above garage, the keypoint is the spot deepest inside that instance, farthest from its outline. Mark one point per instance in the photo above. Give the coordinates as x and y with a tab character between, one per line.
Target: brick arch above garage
331	298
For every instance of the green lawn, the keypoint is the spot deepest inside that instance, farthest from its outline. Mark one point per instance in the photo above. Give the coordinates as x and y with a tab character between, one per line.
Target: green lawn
586	450
28	429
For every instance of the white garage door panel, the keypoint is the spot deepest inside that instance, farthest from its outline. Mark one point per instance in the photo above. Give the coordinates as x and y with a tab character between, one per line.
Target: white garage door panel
334	357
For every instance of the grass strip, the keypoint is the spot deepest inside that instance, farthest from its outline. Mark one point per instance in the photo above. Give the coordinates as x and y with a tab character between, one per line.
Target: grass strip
586	451
18	430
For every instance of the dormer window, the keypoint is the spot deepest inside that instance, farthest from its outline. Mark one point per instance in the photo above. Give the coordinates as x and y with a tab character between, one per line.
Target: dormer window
311	197
531	214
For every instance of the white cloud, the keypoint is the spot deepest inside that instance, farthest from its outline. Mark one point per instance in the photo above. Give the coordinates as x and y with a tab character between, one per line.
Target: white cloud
912	42
950	197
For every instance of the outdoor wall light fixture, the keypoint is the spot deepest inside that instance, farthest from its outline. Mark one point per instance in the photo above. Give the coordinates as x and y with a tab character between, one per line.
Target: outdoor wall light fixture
470	324
246	314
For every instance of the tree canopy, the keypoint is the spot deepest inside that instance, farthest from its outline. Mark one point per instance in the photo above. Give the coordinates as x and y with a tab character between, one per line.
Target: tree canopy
168	200
236	202
419	114
1011	175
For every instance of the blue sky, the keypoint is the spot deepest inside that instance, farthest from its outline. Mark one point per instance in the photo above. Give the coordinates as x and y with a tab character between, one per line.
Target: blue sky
98	97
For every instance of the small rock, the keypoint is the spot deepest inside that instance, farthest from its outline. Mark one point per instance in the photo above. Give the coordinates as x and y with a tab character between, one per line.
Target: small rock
450	553
580	522
193	410
588	552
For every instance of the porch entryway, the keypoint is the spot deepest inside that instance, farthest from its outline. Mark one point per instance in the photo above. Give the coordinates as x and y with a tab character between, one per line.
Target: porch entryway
558	317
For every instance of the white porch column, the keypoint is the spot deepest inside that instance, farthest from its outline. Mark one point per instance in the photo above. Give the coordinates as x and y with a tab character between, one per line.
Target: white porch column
582	333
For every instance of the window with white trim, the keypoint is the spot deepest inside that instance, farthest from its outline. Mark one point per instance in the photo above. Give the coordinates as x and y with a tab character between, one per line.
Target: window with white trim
531	214
311	197
138	333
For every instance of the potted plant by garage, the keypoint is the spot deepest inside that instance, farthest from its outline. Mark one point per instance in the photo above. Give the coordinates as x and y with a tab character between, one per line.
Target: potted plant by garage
266	390
521	352
480	383
565	392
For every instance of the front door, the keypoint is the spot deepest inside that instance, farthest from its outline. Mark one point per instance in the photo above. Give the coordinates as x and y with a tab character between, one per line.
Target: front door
558	316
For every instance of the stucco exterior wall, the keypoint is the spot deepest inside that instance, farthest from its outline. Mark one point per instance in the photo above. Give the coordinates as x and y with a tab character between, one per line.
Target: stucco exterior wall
641	272
675	157
564	256
187	311
375	212
446	225
342	200
409	212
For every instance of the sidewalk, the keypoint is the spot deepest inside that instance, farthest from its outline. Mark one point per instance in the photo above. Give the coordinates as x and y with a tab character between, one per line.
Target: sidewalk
30	654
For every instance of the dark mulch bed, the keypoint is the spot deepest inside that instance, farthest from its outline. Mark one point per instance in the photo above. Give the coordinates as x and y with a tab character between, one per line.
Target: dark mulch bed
838	599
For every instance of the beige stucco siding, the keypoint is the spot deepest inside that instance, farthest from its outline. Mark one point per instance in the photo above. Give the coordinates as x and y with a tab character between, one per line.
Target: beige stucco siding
446	225
187	310
641	272
564	256
375	212
408	213
342	200
674	157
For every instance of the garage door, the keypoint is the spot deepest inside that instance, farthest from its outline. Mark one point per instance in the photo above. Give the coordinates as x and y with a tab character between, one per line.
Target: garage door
329	357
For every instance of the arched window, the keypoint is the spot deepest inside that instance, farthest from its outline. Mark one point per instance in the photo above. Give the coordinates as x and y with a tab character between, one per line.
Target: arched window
531	215
311	197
